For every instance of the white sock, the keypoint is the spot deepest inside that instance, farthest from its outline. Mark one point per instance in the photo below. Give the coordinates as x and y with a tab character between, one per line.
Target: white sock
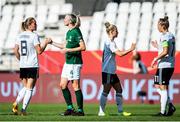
159	91
119	102
27	98
20	95
164	99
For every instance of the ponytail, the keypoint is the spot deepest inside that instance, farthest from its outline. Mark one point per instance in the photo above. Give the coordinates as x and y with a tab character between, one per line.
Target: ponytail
75	20
23	26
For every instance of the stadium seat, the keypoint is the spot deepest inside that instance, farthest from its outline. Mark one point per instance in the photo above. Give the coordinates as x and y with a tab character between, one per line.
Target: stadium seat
158	7
146	7
66	9
123	7
135	7
111	7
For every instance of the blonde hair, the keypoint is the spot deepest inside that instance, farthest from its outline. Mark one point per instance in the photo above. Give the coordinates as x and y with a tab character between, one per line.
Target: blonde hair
110	27
26	23
74	19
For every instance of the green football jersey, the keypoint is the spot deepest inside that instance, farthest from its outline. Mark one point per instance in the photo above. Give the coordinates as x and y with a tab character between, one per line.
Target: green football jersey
73	38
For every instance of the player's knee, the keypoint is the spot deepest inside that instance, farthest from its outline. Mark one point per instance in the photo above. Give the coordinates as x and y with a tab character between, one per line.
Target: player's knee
62	85
163	87
75	87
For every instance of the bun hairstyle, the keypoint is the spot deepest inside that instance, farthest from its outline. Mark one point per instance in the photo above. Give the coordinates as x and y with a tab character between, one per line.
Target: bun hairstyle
26	23
75	20
109	27
164	22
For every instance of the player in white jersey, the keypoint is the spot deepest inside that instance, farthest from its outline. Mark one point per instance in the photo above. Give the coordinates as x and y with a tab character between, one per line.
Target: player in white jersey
109	77
27	48
166	60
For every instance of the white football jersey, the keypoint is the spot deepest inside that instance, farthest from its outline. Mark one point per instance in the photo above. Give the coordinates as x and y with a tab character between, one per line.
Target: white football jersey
28	56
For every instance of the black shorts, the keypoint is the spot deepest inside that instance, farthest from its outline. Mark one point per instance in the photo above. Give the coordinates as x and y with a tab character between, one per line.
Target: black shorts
109	78
29	73
163	75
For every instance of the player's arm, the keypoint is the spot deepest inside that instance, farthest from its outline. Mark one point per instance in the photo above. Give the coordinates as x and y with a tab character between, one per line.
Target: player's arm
41	47
16	51
162	54
82	47
59	45
125	52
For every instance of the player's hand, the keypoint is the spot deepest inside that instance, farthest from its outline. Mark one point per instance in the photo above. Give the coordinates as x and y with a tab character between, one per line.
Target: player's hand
133	46
153	62
49	40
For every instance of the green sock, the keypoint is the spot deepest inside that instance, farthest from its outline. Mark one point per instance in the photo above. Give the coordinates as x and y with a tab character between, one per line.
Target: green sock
79	99
67	97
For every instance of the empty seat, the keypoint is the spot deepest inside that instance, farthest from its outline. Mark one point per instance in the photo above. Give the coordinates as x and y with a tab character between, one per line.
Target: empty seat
66	9
7	10
123	7
146	7
111	7
170	7
135	7
158	7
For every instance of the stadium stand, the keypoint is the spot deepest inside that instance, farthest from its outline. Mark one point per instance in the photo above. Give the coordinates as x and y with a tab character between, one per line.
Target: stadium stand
136	21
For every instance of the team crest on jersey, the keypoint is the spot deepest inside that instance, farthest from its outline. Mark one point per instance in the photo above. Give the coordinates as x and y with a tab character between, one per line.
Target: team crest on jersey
70	38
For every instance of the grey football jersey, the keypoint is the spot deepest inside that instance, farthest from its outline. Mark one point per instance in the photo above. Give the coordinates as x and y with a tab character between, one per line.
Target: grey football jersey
167	40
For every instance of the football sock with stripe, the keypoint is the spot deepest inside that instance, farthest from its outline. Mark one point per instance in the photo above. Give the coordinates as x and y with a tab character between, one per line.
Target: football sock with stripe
79	99
103	100
119	102
67	97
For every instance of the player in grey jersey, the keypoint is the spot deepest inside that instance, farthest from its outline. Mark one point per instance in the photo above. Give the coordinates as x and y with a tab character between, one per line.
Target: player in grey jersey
109	76
166	60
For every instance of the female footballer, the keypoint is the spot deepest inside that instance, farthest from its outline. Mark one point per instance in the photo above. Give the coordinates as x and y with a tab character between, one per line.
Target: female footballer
166	60
109	76
72	48
27	48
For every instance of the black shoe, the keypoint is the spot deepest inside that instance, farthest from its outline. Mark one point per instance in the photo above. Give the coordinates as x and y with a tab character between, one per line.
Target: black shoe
159	114
78	113
171	109
68	112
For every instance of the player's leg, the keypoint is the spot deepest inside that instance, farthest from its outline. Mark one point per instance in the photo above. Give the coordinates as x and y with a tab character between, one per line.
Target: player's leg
67	96
76	86
103	99
65	76
161	86
119	100
106	88
28	95
170	108
79	97
19	97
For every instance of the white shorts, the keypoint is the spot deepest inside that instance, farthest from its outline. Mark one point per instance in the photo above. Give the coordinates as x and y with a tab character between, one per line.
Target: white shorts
71	71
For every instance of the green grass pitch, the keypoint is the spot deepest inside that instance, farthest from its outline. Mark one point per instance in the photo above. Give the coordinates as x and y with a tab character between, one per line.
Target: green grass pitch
50	112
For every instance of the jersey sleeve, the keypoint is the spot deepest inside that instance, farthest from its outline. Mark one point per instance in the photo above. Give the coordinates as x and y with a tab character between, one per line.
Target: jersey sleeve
17	40
79	35
165	41
113	47
36	40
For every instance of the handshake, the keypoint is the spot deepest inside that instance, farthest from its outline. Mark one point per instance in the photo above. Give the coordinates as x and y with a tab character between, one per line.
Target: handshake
48	41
